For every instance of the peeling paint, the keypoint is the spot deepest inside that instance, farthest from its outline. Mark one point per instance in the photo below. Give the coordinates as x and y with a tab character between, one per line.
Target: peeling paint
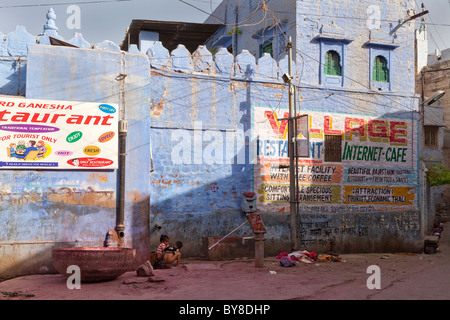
64	195
240	84
101	199
99	177
157	109
134	196
274	86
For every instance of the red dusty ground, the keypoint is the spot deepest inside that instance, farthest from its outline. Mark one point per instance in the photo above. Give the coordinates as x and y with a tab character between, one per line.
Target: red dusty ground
403	276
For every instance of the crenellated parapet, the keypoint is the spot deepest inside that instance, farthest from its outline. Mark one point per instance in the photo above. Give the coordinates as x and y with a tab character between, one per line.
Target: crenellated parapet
222	63
14	49
16	43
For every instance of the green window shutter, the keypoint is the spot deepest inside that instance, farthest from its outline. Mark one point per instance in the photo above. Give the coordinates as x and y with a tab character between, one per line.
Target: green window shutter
267	48
332	64
380	70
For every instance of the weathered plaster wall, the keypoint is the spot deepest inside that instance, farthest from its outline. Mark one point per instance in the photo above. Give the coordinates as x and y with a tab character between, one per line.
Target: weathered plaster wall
249	24
433	78
13	61
200	116
351	28
305	20
44	209
389	228
357	21
191	197
191	153
95	75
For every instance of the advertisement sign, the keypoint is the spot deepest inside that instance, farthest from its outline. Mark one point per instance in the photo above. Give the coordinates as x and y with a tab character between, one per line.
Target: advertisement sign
355	162
46	134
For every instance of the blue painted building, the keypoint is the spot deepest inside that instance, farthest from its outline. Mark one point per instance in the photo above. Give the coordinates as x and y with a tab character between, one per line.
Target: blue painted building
354	70
203	128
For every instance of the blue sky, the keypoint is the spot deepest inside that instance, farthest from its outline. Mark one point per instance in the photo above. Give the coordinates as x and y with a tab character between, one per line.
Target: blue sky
109	20
99	21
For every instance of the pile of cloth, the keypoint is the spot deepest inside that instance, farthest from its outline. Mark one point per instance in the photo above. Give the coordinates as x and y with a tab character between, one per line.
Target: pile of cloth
288	259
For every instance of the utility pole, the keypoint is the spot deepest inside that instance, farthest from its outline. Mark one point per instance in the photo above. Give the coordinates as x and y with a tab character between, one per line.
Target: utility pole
292	155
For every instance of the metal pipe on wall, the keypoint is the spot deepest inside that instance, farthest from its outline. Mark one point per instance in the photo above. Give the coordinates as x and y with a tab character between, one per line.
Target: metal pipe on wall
120	219
123	130
292	158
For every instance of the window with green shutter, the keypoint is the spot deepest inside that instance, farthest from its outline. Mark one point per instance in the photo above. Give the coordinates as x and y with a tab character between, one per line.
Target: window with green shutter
267	47
380	69
332	63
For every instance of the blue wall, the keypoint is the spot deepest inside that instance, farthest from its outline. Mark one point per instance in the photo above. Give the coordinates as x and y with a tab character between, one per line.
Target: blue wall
186	168
13	61
351	29
44	209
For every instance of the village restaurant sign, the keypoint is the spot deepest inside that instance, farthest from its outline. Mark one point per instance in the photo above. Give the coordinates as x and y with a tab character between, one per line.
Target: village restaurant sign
39	134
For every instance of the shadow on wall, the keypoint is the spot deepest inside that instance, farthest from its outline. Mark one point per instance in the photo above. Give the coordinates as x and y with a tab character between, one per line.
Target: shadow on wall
212	208
13	60
194	201
25	259
202	198
189	200
13	76
139	227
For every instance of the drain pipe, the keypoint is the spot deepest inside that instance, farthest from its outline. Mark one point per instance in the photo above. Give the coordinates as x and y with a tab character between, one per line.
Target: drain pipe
116	237
120	218
123	129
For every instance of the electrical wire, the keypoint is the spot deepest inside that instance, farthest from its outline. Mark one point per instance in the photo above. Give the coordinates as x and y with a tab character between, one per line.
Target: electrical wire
235	24
322	64
434	25
60	4
278	27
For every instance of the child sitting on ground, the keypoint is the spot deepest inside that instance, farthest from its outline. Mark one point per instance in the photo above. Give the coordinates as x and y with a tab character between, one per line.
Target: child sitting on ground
156	258
172	254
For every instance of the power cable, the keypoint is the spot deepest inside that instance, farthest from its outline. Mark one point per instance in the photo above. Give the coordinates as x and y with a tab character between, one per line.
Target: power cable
60	4
236	24
322	64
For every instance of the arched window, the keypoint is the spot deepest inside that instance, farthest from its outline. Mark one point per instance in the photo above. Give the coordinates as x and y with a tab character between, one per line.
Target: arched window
332	63
380	69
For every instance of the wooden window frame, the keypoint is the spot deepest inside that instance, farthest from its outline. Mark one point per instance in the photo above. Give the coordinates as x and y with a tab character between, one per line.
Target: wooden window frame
333	148
431	137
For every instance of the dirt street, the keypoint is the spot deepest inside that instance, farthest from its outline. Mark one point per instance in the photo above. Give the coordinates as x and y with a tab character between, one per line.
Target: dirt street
403	276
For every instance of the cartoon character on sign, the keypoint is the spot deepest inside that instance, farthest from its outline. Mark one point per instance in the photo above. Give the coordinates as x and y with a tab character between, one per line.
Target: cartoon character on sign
20	149
31	146
41	148
12	149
